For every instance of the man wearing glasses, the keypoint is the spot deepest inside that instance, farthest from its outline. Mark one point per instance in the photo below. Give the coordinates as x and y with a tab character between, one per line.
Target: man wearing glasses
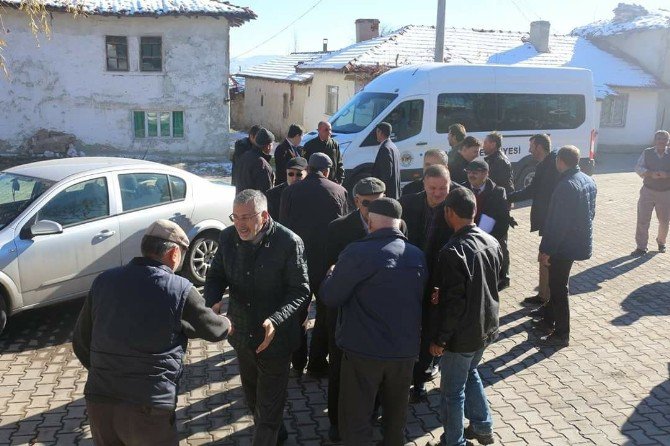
261	264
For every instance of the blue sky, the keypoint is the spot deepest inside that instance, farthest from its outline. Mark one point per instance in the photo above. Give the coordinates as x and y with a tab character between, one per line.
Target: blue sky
334	19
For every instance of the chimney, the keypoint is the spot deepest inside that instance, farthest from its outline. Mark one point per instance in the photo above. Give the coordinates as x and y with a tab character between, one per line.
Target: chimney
325	45
366	29
539	35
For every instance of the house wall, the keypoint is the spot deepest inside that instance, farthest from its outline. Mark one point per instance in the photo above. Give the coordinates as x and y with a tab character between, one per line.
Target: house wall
640	123
315	105
62	83
271	113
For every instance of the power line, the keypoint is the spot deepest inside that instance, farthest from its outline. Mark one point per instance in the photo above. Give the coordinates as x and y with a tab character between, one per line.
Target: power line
526	2
520	10
280	31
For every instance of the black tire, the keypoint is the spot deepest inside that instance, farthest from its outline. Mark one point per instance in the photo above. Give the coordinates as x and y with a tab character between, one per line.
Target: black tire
199	257
3	313
524	178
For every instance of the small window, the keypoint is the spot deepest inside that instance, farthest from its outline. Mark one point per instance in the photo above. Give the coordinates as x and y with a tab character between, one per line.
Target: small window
613	111
177	188
151	54
158	124
332	99
116	48
261	100
141	190
285	107
78	204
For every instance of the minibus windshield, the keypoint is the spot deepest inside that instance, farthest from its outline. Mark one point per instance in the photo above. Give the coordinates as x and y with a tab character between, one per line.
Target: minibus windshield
360	111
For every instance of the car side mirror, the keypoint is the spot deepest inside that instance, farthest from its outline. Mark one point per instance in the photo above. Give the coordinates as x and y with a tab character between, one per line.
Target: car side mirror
45	227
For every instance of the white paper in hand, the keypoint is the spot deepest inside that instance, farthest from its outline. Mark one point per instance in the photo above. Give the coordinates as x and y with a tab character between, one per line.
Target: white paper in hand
486	223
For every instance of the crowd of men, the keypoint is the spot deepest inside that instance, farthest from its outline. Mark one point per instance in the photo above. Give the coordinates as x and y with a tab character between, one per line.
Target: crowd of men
405	284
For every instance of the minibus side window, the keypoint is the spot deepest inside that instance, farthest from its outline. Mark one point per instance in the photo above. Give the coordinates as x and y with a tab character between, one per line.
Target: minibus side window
476	111
406	121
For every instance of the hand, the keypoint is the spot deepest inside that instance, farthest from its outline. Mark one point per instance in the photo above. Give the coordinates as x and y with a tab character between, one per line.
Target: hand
436	350
513	223
216	308
435	296
269	335
544	259
231	330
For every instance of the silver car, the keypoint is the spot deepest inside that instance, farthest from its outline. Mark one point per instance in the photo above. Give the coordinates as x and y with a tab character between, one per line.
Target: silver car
64	221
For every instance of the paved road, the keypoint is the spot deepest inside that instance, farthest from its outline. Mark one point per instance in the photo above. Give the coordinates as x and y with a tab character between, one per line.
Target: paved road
609	387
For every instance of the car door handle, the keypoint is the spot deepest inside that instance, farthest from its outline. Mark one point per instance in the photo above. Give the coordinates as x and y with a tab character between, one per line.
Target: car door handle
422	143
107	233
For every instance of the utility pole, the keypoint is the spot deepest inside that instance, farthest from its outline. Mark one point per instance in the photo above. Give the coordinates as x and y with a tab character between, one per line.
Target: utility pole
439	31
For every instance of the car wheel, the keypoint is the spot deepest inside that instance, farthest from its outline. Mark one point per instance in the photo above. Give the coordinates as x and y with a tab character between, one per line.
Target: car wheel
525	177
3	313
200	256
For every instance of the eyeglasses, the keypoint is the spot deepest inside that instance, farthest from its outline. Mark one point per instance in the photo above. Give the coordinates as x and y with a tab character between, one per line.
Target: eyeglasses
366	203
235	218
294	174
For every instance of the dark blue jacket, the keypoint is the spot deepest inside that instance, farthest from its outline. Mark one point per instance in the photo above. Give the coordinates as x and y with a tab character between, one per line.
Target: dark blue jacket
568	229
378	284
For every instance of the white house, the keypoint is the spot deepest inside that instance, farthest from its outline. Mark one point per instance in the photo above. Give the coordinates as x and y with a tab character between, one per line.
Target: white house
336	76
128	74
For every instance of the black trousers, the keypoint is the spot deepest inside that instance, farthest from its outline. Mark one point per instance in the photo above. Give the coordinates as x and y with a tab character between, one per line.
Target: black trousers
559	308
360	380
299	357
505	260
115	424
318	346
335	357
423	367
264	382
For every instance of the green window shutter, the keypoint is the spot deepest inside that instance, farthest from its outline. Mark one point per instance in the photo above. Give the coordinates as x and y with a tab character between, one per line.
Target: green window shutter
165	124
138	118
152	123
178	124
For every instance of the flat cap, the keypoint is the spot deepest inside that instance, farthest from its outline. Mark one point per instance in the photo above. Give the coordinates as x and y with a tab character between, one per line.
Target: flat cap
168	230
264	137
298	162
369	186
387	207
320	161
477	165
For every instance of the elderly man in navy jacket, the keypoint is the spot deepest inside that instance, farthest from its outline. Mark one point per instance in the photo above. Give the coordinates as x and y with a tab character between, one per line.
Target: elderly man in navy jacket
378	284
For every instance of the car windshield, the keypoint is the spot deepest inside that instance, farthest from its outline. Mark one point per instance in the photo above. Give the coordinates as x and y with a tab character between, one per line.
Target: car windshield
360	111
16	194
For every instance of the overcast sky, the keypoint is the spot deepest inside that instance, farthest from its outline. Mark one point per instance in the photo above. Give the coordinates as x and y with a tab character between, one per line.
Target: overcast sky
334	19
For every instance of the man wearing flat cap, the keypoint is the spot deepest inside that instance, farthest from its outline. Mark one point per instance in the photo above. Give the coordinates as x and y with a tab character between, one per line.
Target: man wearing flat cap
254	170
296	169
307	207
492	209
377	285
132	334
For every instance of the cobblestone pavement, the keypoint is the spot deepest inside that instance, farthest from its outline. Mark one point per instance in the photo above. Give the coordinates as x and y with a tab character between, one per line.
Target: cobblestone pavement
609	387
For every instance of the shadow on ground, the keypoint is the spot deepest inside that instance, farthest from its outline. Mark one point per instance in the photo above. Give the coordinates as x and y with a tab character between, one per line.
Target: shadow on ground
642	427
652	299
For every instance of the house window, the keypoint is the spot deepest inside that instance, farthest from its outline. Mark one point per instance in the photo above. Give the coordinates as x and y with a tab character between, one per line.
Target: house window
261	100
158	124
116	48
331	99
285	108
151	54
613	111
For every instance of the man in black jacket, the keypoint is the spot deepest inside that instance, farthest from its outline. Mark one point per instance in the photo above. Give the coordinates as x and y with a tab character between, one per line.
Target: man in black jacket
455	138
261	264
492	207
296	169
467	320
132	334
539	190
242	146
287	150
323	143
500	169
307	208
387	161
468	151
430	158
254	170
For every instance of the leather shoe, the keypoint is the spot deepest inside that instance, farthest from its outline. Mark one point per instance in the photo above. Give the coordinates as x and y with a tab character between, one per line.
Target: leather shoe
318	373
661	248
283	434
542	326
638	252
533	300
554	340
538	313
295	373
470	434
417	395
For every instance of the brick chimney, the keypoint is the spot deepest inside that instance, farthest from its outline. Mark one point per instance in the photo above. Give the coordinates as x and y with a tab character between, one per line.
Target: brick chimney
539	35
366	29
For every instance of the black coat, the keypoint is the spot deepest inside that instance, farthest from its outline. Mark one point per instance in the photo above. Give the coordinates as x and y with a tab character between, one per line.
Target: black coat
274	200
331	148
493	202
387	168
414	187
283	154
254	171
539	190
457	168
277	288
307	207
242	146
500	170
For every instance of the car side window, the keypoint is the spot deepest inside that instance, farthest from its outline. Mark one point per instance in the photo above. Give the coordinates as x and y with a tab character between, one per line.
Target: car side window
406	121
141	190
177	188
82	202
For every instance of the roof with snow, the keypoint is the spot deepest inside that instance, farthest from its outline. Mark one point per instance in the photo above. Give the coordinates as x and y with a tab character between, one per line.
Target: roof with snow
415	44
236	15
283	68
627	18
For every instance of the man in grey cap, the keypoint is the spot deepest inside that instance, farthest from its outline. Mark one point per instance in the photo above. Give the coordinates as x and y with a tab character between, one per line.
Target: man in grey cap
307	207
132	334
254	170
296	169
377	285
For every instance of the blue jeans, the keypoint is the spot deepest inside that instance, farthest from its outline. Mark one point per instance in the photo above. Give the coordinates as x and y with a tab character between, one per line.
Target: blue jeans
462	394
